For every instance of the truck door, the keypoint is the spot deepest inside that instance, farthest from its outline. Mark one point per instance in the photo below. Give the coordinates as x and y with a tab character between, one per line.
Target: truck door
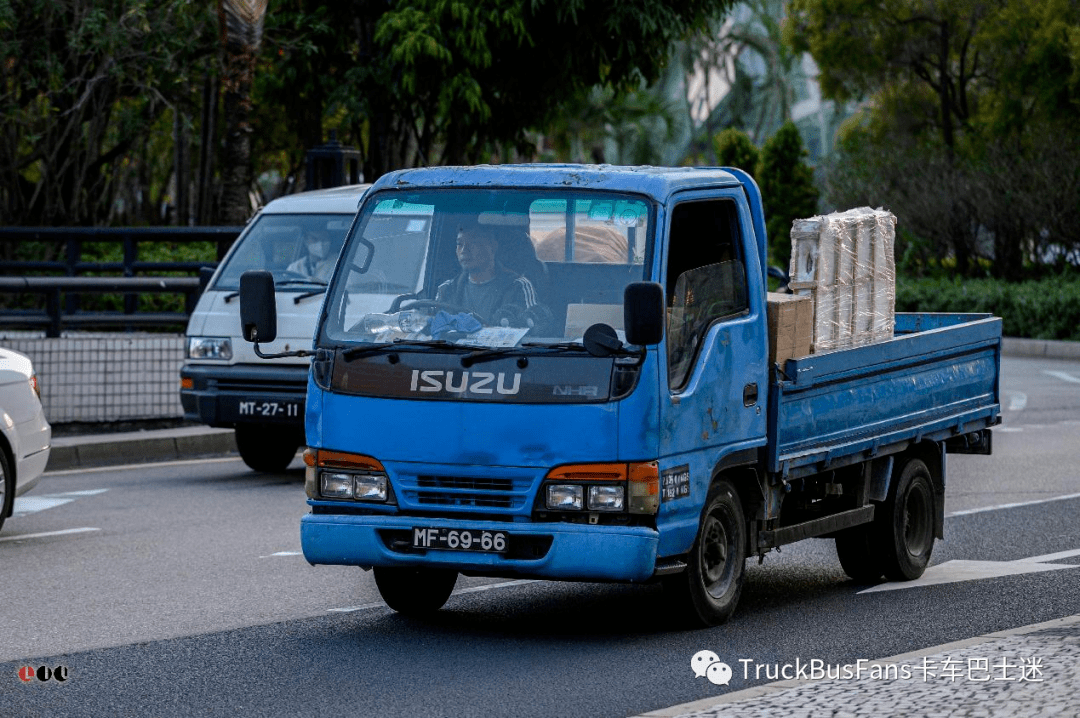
715	351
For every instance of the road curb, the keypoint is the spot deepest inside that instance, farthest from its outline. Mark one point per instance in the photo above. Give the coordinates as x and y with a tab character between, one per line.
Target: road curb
1046	348
77	452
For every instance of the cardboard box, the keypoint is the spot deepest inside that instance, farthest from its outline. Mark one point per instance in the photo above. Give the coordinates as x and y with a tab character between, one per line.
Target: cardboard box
791	326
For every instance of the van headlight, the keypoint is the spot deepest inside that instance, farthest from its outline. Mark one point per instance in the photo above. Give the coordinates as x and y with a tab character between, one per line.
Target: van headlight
209	348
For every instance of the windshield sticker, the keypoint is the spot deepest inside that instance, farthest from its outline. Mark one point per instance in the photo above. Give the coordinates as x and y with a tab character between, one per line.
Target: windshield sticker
495	337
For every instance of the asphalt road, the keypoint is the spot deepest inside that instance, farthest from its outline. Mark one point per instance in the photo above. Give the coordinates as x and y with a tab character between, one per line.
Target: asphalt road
177	590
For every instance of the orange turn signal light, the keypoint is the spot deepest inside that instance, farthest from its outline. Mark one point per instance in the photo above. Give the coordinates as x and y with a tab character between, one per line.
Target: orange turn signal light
342	460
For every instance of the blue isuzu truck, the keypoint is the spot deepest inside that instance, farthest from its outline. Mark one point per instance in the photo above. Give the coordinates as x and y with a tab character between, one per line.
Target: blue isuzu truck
611	415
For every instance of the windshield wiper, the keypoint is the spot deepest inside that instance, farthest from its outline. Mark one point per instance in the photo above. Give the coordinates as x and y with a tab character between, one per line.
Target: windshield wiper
287	282
300	297
558	346
358	352
483	355
579	347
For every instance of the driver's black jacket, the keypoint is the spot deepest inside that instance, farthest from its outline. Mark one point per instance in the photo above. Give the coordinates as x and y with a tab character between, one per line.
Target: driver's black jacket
514	298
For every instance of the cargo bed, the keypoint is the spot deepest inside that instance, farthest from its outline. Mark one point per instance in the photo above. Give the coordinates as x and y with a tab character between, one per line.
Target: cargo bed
937	378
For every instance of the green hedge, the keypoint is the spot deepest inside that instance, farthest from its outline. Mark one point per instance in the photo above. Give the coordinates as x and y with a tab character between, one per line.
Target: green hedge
1043	309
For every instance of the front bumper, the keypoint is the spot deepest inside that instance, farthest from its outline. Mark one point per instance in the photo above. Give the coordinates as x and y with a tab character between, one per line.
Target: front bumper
573	551
230	394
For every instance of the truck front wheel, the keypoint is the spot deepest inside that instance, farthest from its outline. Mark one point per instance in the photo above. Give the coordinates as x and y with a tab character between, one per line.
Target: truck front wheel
415	591
267	448
708	591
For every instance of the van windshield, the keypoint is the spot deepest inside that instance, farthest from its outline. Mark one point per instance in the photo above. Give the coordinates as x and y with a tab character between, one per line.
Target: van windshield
499	268
299	249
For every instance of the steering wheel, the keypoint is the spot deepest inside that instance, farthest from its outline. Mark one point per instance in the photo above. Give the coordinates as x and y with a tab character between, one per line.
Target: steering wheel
432	304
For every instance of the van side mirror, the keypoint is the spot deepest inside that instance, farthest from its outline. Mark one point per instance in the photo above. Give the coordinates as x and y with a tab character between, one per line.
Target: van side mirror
258	307
643	313
205	275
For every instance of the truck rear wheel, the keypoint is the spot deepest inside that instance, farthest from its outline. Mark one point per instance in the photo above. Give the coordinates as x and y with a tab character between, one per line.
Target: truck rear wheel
708	591
907	522
415	591
267	448
899	541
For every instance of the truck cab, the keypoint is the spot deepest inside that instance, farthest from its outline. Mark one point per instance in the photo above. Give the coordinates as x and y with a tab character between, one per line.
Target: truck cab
599	405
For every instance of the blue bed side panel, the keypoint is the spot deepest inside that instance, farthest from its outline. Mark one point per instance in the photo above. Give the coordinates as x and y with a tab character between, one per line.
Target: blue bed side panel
932	383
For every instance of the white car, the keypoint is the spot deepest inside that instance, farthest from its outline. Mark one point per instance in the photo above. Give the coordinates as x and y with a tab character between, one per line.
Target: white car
25	435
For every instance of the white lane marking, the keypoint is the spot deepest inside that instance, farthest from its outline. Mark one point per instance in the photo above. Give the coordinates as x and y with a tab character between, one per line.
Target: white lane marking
48	533
965	512
473	589
32	504
1017	401
284	553
153	464
1009	429
1062	375
489	586
956	571
1053	556
350	609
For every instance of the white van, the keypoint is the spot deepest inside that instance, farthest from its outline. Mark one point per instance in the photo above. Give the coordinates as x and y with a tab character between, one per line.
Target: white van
298	239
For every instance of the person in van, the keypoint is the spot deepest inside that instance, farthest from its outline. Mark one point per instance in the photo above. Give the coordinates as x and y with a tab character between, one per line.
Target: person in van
317	261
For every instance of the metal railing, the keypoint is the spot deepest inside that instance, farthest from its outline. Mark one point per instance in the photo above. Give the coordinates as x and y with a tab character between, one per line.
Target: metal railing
61	303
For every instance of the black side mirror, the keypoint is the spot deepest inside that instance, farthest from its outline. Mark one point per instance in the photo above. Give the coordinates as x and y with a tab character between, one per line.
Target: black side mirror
205	275
258	307
643	313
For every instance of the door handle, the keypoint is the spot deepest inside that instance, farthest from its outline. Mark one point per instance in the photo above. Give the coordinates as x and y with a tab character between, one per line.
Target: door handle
749	394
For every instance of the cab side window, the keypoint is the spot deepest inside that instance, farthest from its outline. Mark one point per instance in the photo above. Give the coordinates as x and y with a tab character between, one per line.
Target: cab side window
706	279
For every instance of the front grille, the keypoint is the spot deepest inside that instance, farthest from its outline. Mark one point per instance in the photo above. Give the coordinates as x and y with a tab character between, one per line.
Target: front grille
263	386
465	482
427	498
466	492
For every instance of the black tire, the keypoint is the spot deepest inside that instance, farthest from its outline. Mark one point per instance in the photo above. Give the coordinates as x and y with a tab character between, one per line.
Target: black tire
7	488
900	540
906	522
415	591
267	448
708	591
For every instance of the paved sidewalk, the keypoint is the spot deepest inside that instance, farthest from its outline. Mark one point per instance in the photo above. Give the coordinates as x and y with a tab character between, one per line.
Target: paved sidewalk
1021	673
132	447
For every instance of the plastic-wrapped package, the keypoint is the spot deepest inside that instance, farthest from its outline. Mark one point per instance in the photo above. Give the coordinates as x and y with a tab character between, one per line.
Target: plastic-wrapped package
844	261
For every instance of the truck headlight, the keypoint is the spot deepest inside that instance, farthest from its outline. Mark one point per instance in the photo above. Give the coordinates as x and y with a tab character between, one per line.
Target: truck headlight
336	486
633	487
341	475
606	498
209	348
564	497
369	487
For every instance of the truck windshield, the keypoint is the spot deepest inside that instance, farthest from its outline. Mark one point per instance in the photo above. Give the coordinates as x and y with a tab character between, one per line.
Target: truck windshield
487	268
299	249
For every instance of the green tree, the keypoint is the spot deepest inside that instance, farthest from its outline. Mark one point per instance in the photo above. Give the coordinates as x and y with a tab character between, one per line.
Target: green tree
241	35
787	189
450	81
734	149
961	99
83	87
